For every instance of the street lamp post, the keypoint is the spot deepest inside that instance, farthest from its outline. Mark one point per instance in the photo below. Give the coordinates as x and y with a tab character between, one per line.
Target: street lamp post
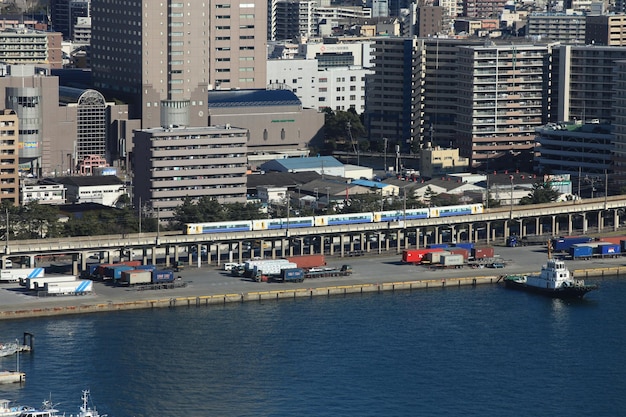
327	198
511	209
316	197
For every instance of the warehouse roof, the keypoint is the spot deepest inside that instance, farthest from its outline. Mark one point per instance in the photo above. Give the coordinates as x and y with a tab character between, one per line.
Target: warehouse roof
298	164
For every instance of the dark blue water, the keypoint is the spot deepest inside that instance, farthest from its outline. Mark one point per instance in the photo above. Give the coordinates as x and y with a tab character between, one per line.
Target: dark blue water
483	351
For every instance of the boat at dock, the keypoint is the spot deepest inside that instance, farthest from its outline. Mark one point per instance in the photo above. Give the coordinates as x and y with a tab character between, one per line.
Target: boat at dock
85	409
8	410
554	280
8	349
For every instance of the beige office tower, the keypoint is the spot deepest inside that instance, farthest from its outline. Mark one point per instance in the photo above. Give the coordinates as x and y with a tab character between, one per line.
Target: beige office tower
161	56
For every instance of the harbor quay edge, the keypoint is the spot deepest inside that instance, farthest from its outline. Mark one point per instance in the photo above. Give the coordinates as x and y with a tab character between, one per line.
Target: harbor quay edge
327	291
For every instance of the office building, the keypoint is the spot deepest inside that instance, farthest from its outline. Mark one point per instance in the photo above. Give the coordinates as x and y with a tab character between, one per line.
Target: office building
171	164
578	149
66	13
162	58
619	150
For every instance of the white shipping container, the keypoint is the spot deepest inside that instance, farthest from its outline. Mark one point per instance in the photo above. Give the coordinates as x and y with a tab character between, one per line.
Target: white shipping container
274	268
38	283
251	264
452	260
84	286
14	275
136	276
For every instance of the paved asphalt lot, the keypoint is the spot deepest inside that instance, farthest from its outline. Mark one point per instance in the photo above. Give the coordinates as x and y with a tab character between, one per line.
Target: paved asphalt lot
366	269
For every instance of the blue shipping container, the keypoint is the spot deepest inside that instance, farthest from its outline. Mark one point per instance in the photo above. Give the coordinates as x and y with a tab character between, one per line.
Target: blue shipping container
581	251
468	246
162	276
293	274
437	246
562	244
115	272
611	249
146	267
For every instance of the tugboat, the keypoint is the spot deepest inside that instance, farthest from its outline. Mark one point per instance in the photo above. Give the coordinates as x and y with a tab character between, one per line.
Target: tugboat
555	280
85	410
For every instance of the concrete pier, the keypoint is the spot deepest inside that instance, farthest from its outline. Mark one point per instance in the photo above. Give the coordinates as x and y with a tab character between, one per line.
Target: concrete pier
323	291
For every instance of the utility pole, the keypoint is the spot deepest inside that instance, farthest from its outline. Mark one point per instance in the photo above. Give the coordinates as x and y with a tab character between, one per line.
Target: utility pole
385	153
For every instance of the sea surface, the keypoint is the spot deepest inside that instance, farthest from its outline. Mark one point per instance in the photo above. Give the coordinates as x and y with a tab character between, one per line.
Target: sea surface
484	351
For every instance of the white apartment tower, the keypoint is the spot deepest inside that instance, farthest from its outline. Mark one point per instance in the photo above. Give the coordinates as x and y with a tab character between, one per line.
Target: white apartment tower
162	56
500	103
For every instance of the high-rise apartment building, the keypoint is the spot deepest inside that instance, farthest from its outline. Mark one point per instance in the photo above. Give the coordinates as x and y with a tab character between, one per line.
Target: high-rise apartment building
9	173
582	82
394	93
619	150
500	103
162	57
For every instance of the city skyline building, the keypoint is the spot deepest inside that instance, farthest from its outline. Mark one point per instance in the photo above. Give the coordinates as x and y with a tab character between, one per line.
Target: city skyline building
162	58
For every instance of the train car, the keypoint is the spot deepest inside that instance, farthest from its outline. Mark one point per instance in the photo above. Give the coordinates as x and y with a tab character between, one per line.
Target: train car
283	223
398	215
218	227
459	210
337	219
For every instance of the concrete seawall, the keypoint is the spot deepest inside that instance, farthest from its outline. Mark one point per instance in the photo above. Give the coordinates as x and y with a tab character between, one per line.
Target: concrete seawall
220	299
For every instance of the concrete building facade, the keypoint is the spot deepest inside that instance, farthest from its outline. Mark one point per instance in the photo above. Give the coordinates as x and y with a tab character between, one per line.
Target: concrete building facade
583	149
561	27
393	106
336	88
9	142
500	103
171	164
582	82
27	46
162	58
275	121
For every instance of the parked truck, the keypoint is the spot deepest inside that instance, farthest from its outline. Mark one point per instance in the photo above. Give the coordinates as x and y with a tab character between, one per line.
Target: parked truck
270	269
38	284
292	275
482	252
20	274
146	277
76	287
514	240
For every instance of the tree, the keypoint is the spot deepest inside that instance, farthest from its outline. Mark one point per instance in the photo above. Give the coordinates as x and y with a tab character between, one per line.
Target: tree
341	126
541	193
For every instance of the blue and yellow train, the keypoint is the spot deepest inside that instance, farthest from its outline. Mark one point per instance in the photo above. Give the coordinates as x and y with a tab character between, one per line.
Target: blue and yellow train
332	219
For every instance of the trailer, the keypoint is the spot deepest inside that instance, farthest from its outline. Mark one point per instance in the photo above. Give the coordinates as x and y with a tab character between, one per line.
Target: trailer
292	275
344	271
514	240
449	261
18	275
270	269
136	276
76	287
38	284
434	257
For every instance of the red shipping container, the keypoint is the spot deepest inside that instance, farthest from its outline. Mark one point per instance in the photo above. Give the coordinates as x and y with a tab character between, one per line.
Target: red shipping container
483	252
308	261
415	256
459	251
132	263
614	240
